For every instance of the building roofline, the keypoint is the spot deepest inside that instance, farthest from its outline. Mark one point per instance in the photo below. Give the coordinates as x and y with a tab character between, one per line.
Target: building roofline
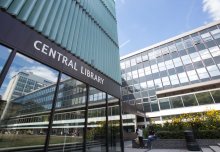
171	39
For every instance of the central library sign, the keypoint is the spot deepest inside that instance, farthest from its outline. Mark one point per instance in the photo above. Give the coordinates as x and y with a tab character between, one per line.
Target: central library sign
34	45
69	62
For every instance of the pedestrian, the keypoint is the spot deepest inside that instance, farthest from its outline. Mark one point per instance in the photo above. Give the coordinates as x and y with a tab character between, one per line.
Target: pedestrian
140	137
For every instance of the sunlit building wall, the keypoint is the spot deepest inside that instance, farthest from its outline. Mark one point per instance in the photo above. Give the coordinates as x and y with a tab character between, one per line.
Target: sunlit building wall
178	75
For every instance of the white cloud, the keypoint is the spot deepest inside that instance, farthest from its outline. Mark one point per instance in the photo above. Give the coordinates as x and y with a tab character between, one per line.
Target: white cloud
25	58
40	71
212	7
124	43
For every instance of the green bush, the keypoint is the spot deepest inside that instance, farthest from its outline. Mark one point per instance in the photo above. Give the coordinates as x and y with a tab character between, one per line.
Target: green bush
170	134
207	134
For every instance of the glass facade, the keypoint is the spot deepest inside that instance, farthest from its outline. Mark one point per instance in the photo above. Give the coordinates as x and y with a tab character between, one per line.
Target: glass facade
43	108
189	60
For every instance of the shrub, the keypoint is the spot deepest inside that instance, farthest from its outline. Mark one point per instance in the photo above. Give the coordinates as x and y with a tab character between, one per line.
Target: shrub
170	134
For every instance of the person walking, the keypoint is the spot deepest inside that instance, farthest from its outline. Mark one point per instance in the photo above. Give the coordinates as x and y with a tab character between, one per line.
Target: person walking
140	137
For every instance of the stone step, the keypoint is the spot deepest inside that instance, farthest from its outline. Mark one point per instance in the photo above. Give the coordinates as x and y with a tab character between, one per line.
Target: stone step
215	148
206	150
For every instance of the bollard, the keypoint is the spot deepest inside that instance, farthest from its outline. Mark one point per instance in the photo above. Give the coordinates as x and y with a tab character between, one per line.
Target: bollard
191	143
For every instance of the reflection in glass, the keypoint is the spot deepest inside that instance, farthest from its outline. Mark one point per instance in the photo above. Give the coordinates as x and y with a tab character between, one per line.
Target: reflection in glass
164	103
4	54
69	116
154	106
189	100
176	102
113	124
28	92
216	95
96	128
204	98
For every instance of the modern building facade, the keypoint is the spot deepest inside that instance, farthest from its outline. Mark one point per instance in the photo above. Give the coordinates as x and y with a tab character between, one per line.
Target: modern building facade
73	104
23	83
176	76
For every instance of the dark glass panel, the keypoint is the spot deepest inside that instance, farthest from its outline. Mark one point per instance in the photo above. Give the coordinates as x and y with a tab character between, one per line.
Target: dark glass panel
154	106
204	98
189	100
216	95
176	102
164	103
147	107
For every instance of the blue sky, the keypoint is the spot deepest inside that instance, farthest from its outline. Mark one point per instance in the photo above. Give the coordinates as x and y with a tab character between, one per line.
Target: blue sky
142	23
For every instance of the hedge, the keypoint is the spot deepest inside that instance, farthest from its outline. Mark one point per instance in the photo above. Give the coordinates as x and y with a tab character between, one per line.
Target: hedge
201	134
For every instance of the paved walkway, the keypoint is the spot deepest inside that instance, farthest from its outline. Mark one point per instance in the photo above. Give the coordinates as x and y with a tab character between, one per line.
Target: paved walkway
155	150
128	148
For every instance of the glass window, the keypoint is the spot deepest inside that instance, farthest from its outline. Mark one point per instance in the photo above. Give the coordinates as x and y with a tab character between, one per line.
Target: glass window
179	45
141	72
183	77
189	100
147	107
195	57
176	102
172	48
127	63
192	75
138	59
213	70
147	70
114	125
216	95
129	76
143	85
164	103
158	83
154	106
205	54
161	66
177	62
169	64
174	79
134	74
202	73
206	37
188	42
154	68
144	57
197	39
150	84
96	126
216	33
5	52
166	81
133	62
204	98
165	50
186	59
25	107
214	51
122	64
71	104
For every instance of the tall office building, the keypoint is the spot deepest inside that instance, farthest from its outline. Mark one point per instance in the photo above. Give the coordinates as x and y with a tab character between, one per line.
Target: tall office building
178	75
73	45
23	83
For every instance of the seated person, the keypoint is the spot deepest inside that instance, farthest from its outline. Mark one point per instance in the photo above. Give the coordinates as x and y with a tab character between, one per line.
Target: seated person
151	137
